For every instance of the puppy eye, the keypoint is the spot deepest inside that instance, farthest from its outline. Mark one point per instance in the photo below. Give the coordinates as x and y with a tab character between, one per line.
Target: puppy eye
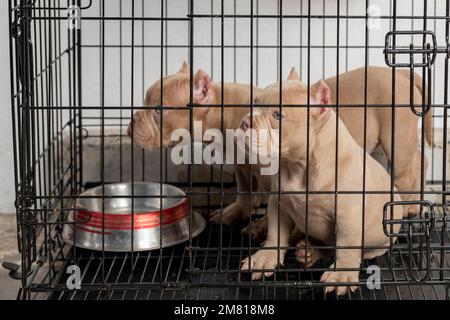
277	115
158	111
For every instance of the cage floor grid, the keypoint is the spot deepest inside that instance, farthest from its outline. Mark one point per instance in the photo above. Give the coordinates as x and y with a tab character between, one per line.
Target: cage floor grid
214	273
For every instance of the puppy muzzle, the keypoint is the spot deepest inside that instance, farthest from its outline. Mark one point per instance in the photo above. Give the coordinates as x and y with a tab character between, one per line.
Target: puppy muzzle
144	131
246	123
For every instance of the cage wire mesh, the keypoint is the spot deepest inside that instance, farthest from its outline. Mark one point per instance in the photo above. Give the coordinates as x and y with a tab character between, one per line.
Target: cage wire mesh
79	72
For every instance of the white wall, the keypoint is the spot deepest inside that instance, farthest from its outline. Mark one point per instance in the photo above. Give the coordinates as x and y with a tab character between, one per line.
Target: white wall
6	160
237	61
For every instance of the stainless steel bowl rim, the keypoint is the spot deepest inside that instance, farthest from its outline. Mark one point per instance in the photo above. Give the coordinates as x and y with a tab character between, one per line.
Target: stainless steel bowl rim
93	194
104	224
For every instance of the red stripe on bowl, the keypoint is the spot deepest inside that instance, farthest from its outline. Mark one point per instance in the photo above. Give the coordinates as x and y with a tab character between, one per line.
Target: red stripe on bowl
142	220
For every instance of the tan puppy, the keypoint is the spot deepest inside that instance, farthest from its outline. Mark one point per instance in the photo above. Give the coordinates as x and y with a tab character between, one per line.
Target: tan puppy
146	130
379	121
176	91
342	225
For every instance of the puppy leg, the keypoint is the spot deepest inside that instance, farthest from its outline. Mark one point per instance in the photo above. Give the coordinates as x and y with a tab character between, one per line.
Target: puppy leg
257	230
240	209
268	257
409	179
348	234
307	255
407	163
407	176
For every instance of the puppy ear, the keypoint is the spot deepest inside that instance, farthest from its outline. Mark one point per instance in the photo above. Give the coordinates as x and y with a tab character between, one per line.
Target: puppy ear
320	95
202	88
148	96
293	75
184	68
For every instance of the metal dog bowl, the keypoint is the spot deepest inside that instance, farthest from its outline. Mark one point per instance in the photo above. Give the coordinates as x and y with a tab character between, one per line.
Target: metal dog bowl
117	226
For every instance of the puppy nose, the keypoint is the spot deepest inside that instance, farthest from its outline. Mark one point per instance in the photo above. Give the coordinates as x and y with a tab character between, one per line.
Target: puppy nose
245	124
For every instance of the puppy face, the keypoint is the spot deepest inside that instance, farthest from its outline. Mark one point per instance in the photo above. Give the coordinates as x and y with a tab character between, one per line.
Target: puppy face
269	122
147	126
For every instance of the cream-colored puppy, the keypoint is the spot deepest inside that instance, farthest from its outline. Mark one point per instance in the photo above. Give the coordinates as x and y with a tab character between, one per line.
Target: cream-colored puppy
407	159
407	167
348	221
145	126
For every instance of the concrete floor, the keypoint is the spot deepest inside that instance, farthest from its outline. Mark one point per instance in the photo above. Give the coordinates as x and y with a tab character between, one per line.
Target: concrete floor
8	252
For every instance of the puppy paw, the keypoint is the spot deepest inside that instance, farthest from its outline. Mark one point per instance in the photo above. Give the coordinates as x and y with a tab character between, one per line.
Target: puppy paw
340	276
257	230
231	214
262	259
306	256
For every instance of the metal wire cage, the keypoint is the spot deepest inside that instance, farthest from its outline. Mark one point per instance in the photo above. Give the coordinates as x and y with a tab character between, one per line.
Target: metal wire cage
79	71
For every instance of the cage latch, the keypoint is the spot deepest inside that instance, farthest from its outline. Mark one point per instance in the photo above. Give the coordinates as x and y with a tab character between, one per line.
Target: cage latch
413	235
396	54
23	199
399	55
426	218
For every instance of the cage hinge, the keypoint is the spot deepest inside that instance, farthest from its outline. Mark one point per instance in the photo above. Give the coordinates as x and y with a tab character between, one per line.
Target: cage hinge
24	204
15	30
413	234
13	269
399	55
24	199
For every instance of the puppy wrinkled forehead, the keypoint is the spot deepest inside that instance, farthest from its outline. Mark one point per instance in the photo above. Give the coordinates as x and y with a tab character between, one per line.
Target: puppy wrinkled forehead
293	92
175	90
256	112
